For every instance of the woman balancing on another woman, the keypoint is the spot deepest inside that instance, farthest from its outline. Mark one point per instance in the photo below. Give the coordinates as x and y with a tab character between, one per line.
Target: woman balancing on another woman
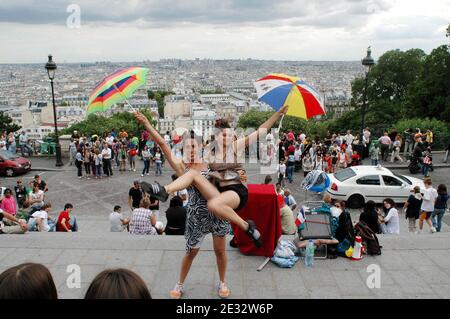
225	193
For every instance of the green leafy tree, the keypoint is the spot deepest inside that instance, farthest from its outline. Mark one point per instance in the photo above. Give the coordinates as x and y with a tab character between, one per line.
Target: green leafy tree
151	94
389	84
6	123
100	125
430	94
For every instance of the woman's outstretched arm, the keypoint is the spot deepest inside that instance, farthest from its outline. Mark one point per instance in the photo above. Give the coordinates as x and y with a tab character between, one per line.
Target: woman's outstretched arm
264	128
175	163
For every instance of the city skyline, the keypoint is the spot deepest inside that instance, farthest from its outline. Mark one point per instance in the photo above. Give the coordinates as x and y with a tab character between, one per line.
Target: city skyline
291	30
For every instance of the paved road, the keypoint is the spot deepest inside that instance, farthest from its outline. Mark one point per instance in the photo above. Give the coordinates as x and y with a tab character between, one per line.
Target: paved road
412	266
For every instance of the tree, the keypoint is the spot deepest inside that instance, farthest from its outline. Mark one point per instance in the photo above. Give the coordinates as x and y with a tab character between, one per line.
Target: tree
6	123
100	125
151	94
159	97
430	95
389	84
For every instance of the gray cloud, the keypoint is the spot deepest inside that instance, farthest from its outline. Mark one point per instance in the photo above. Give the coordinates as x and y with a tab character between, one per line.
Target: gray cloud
151	13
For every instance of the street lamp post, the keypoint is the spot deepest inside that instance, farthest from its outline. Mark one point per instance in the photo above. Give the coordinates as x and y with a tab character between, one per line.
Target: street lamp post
367	62
50	66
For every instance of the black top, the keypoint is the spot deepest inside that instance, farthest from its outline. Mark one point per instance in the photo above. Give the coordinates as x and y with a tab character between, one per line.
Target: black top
414	205
136	196
441	201
42	185
371	219
176	218
20	191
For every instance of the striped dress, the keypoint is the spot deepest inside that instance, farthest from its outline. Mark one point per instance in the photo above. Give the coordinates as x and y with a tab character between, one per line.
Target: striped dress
199	221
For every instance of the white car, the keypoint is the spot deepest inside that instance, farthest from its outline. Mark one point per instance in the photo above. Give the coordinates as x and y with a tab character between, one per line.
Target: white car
358	184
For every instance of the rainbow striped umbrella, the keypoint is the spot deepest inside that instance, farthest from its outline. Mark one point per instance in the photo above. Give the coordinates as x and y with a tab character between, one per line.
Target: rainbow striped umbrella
115	88
279	90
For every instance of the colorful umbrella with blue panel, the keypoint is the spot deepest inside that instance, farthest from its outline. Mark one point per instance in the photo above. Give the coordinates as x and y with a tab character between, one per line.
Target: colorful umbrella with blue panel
278	90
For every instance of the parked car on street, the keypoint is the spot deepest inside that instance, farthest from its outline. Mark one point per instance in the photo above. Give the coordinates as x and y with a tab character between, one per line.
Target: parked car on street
358	184
12	164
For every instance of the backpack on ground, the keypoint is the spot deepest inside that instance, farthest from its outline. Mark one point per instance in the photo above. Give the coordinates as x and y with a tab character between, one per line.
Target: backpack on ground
345	228
369	238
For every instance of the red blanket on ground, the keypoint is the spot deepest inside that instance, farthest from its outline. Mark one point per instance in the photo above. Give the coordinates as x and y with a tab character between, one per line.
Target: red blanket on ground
262	207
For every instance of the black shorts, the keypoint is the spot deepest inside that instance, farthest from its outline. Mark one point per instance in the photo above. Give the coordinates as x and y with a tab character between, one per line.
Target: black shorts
239	189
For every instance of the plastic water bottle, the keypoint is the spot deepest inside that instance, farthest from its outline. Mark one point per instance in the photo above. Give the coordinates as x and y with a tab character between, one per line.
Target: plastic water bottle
309	254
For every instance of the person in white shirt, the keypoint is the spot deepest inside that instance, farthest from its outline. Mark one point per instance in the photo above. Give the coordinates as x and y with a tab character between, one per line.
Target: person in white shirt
167	138
289	199
429	198
110	139
312	152
302	137
349	137
270	145
36	198
319	163
106	156
117	222
281	172
40	220
23	143
391	223
297	158
366	134
349	153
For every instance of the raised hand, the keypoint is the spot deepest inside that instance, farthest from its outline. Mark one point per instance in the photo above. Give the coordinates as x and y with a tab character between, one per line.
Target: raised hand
283	110
141	118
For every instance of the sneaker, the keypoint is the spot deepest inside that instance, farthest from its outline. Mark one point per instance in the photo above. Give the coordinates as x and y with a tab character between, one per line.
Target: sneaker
223	290
148	174
432	230
134	170
418	232
142	175
156	190
253	233
177	292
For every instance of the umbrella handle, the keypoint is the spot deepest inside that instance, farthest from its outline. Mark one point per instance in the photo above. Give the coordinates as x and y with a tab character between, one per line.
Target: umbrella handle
120	92
281	122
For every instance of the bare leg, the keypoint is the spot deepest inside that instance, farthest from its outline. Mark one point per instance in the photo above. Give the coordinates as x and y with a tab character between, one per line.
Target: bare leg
221	256
220	204
223	207
186	264
193	177
429	222
184	181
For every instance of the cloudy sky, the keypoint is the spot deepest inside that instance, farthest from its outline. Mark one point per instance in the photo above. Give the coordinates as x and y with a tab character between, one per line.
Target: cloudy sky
134	30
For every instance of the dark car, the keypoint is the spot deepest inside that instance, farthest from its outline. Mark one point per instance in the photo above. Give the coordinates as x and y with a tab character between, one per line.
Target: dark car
11	164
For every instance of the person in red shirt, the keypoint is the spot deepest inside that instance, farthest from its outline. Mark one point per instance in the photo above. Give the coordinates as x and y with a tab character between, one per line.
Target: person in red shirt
355	158
327	168
66	223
